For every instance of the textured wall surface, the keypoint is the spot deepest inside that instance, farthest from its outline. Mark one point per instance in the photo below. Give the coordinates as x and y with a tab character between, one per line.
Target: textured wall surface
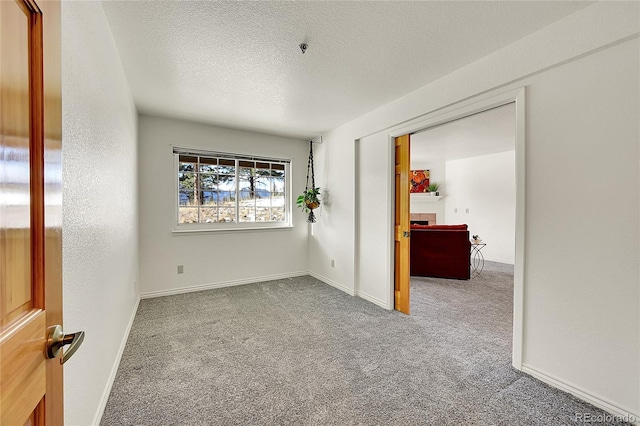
100	213
582	139
212	258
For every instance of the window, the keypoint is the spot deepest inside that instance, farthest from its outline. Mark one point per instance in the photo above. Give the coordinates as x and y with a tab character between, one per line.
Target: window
229	191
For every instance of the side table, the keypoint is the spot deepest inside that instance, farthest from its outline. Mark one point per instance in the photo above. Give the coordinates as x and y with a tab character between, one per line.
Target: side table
477	258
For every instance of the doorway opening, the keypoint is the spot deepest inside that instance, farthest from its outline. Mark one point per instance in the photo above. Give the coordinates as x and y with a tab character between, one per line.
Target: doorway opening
464	180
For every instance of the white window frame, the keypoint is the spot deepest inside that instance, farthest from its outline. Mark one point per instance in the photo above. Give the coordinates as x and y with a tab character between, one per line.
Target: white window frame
237	225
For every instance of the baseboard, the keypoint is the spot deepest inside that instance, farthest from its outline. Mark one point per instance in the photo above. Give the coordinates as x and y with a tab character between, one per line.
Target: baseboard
373	300
191	289
497	260
583	394
349	291
332	283
114	369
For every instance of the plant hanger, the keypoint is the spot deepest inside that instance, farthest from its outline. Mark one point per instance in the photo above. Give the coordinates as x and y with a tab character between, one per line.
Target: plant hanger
309	200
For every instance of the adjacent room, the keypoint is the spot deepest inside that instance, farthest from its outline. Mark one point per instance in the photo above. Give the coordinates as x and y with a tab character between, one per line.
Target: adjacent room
463	173
190	129
464	186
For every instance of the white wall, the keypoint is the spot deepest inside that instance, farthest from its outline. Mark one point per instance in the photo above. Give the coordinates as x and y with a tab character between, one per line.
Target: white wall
486	187
581	324
216	258
373	186
100	213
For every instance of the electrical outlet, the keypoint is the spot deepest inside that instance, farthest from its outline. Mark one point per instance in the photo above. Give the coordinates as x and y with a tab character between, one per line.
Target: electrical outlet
466	211
181	269
455	210
333	263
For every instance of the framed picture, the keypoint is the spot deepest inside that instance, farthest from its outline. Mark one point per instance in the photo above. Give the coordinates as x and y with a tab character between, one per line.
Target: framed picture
419	181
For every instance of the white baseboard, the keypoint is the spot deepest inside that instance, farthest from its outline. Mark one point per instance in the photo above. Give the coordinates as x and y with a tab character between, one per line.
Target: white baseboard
181	290
373	300
332	283
583	394
349	291
495	259
114	369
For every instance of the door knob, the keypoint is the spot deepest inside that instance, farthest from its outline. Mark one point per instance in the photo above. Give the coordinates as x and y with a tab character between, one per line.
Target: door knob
56	339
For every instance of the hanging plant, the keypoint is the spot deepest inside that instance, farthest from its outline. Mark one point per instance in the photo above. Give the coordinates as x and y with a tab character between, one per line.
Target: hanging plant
310	198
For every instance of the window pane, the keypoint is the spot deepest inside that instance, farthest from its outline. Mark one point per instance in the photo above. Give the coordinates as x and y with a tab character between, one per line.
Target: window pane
206	168
187	167
227	199
226	167
277	214
263	202
227	183
188	215
186	198
186	180
227	214
247	191
263	171
277	173
246	200
277	199
263	187
227	170
207	164
262	214
246	172
187	163
247	214
208	198
208	181
277	184
208	215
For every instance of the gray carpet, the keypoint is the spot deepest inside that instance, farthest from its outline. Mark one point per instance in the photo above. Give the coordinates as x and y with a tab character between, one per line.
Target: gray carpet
298	351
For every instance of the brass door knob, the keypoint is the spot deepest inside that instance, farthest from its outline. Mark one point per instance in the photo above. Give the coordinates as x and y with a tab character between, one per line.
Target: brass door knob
56	339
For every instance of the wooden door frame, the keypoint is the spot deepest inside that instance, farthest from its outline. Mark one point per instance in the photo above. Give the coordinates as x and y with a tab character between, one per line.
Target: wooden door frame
451	113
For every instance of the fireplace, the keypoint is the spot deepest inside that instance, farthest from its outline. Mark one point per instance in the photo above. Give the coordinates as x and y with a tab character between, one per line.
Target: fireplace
423	218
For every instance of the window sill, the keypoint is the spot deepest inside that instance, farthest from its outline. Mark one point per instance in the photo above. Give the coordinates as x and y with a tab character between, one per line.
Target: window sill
230	230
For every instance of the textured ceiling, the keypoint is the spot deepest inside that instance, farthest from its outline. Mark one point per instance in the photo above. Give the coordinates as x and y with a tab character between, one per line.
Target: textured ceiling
488	132
237	64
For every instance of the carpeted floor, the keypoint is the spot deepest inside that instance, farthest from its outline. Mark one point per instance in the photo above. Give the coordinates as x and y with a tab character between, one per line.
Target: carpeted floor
298	351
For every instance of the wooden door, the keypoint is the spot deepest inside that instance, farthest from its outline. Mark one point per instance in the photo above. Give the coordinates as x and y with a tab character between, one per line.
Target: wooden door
30	211
402	231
